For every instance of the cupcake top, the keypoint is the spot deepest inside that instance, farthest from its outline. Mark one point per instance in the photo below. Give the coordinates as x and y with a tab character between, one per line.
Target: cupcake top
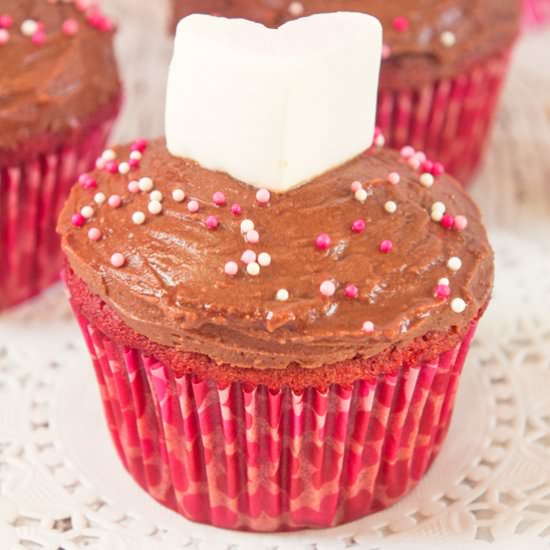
428	39
58	72
370	255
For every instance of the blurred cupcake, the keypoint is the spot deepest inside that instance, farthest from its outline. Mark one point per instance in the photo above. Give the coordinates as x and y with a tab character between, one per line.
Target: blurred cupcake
444	65
536	12
59	95
283	358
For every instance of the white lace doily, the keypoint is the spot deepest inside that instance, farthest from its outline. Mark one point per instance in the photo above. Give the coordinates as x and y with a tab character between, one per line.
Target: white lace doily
61	485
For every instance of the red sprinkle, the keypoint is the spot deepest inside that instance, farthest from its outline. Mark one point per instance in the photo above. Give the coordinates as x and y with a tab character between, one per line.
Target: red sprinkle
386	246
427	166
212	222
87	182
401	24
112	167
447	221
78	220
351	291
70	27
6	21
358	226
438	169
442	291
139	145
133	163
218	198
38	37
236	209
322	242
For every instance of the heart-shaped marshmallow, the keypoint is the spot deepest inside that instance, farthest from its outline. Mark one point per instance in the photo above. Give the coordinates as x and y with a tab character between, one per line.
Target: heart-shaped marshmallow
273	107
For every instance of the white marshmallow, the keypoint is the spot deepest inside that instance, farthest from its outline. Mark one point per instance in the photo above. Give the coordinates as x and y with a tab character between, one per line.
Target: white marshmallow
273	107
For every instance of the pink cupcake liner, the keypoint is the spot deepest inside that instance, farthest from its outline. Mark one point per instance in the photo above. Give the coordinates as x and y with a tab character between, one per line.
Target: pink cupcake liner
244	456
535	13
32	195
449	120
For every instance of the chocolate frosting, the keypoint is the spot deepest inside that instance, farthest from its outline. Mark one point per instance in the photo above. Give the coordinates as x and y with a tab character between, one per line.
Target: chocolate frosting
173	288
48	90
480	28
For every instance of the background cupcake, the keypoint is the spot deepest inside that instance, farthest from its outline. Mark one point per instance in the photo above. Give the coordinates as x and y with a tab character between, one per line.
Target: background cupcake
444	65
59	95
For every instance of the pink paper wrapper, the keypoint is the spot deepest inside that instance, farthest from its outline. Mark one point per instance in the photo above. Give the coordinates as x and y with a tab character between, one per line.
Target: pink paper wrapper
31	198
535	13
448	120
247	457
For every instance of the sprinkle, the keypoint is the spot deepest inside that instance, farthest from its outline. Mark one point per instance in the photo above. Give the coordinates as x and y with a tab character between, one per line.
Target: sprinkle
253	269
236	209
117	260
4	36
442	291
231	268
108	154
461	223
361	195
145	184
123	168
458	305
327	288
193	206
155	195
296	9
212	222
135	155
401	24
38	37
440	206
379	140
100	163
87	182
454	263
351	291
368	327
358	226
263	196
448	39
29	27
356	186
94	234
264	259
447	221
386	51
394	178
218	198
322	242
426	179
78	220
70	27
420	157
252	236
438	169
390	207
437	215
154	207
100	198
133	186
87	211
133	163
6	21
386	246
427	166
178	195
115	201
138	217
248	256
407	152
246	226
443	281
111	166
282	295
139	145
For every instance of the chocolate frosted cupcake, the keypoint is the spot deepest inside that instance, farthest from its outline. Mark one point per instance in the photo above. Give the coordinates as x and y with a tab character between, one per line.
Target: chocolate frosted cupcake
280	357
59	95
444	64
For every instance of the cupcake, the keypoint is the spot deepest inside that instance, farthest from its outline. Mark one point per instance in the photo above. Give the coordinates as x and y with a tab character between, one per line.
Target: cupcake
275	351
59	95
443	68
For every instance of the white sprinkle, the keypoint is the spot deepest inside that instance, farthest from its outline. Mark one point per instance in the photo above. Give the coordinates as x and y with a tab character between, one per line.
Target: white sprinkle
154	207
100	163
178	195
138	217
135	155
426	179
246	226
361	195
264	259
380	141
123	168
296	9
448	39
437	215
390	207
108	155
454	263
443	281
438	205
87	211
29	27
145	184
100	198
155	196
281	295
253	269
458	305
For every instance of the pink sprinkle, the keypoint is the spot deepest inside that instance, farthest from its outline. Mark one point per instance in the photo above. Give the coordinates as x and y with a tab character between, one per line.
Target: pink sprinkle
38	37
100	163
6	21
111	166
420	157
401	24
133	187
218	198
461	223
78	220
70	27
139	145
414	163
4	36
193	206
438	169
87	182
442	291
263	196
212	222
386	51
133	163
407	152
351	291
358	226
394	177
248	257
327	288
117	260
368	326
231	268
447	221
94	234
322	242
252	236
114	201
355	186
236	209
427	166
386	246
